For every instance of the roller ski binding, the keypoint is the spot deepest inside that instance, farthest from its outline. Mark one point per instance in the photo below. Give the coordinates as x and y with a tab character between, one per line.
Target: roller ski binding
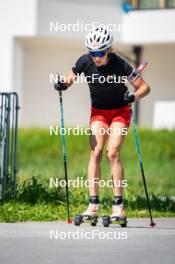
117	217
89	216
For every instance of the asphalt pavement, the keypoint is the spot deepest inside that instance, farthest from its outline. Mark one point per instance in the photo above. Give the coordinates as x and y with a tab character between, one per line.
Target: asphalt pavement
58	242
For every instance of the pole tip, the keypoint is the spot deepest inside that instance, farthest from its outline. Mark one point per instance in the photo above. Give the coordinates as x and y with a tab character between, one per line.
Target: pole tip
152	224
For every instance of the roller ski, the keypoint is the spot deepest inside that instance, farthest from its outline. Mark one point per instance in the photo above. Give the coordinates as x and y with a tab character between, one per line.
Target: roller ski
117	217
89	216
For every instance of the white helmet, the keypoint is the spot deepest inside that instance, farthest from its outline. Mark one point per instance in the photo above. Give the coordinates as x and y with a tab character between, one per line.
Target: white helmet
100	38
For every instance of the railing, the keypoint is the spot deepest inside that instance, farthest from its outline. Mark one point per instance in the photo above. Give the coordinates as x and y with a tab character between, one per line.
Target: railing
9	107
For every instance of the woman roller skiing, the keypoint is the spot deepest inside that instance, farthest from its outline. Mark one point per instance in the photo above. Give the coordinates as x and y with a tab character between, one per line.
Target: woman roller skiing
106	73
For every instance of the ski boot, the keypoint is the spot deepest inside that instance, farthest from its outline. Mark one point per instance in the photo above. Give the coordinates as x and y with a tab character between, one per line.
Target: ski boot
89	216
117	217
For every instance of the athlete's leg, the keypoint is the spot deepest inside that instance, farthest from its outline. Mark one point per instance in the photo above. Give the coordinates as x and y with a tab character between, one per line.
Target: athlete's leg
118	131
116	139
97	141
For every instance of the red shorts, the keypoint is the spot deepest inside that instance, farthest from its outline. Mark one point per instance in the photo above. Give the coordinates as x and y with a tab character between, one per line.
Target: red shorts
108	116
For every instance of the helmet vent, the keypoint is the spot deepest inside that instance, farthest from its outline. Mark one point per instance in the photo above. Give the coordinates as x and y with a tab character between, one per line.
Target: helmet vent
100	38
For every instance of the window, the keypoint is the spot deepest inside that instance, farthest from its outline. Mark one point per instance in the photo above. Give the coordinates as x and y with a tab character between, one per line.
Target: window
170	3
151	4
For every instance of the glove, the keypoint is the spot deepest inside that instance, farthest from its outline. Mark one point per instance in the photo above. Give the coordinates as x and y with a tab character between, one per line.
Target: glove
129	97
60	85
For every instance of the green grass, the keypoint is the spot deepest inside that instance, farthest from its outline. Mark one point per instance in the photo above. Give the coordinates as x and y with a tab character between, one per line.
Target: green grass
40	158
41	155
15	212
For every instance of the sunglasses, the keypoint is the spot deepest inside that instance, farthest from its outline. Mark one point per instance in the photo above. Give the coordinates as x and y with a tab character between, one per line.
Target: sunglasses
100	53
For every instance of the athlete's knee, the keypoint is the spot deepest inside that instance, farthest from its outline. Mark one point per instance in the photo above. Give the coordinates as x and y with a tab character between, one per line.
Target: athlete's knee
96	154
113	155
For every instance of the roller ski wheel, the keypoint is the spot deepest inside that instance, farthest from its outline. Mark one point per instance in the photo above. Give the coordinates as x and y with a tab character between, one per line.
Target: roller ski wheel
79	219
106	221
118	220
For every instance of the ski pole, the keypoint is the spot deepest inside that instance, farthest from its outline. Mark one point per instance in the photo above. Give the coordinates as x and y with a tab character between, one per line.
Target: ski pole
142	169
69	221
135	73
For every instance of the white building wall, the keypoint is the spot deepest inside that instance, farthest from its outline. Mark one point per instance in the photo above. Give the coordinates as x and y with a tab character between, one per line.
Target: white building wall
160	75
40	104
29	52
69	12
18	18
149	27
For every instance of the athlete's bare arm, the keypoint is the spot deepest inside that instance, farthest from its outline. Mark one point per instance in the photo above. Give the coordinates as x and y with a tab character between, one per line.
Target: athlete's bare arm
141	88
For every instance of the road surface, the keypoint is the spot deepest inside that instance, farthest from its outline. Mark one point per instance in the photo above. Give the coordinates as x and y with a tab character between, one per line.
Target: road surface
58	242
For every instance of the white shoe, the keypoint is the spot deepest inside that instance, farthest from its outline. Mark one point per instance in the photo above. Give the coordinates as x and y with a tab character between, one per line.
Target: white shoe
118	211
92	210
